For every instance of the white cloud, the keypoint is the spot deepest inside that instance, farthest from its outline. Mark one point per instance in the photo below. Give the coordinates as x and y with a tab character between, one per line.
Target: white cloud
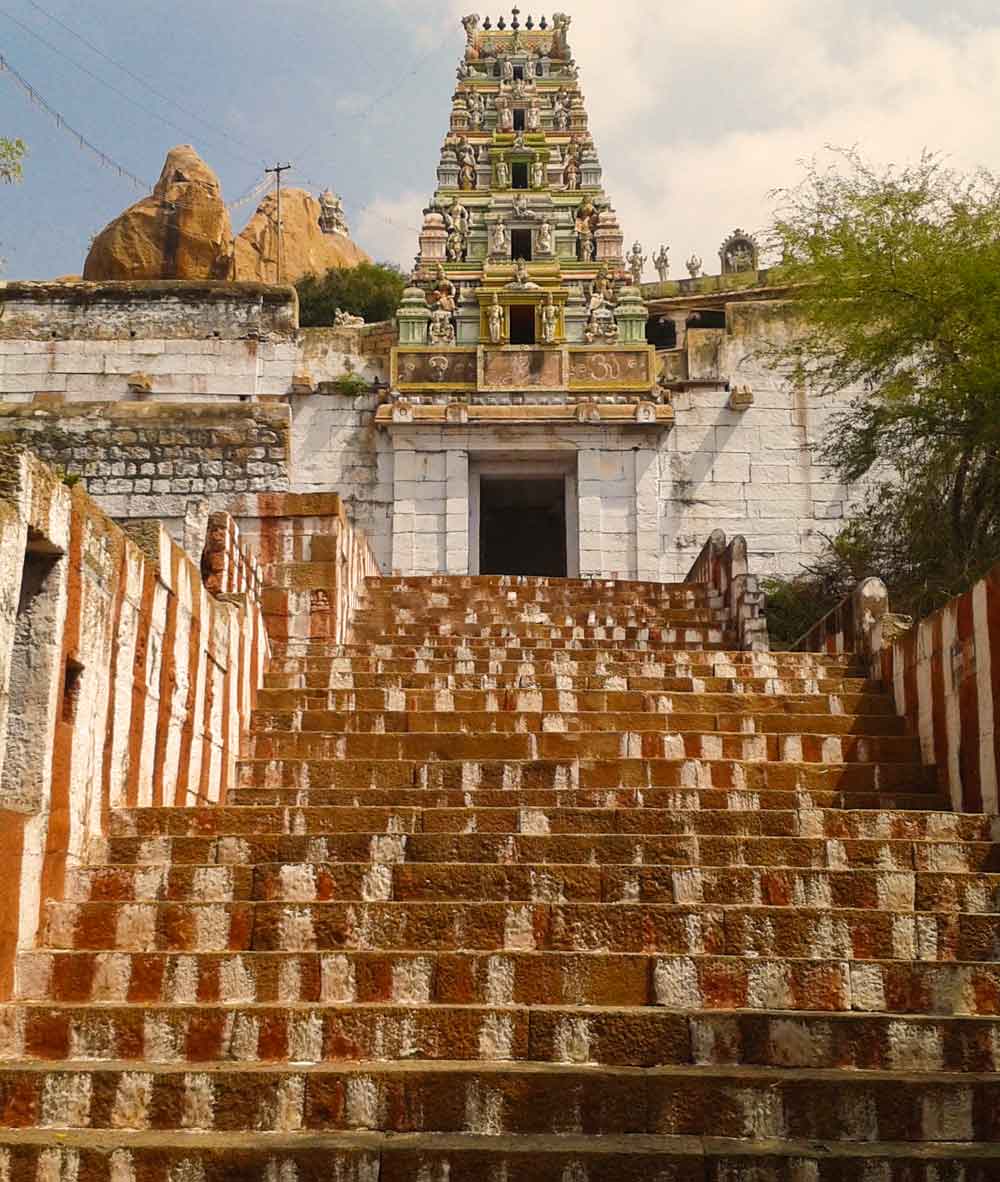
697	119
388	227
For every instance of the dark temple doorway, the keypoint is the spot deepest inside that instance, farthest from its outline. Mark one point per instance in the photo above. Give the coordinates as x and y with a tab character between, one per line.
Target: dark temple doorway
522	526
522	324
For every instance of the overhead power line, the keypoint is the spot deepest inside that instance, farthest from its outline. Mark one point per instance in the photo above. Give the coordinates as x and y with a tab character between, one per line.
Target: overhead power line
106	160
108	85
215	128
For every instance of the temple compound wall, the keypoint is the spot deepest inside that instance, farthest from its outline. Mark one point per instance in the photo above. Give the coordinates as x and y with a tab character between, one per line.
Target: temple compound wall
211	397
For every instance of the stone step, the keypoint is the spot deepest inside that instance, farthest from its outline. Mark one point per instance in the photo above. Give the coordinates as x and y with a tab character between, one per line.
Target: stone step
589	775
738	1102
317	821
682	798
690	656
578	980
542	1033
320	682
473	745
510	719
534	634
737	930
554	701
890	890
113	1156
635	850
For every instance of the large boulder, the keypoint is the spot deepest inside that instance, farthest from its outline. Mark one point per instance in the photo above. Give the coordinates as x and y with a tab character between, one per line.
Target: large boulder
181	231
305	247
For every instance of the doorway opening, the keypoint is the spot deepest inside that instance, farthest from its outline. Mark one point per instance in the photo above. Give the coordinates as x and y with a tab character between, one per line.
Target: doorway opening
519	118
522	324
519	175
522	526
520	245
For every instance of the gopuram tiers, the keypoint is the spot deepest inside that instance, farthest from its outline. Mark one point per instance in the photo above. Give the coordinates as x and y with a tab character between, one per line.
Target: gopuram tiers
521	307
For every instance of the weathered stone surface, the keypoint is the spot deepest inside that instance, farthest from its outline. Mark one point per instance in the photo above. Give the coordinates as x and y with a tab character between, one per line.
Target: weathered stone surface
305	249
181	231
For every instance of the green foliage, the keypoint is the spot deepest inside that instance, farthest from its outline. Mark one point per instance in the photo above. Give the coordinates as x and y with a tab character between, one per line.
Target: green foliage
350	384
897	291
12	152
371	290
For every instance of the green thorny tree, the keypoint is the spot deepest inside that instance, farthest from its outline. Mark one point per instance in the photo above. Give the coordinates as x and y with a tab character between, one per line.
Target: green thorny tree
896	283
371	290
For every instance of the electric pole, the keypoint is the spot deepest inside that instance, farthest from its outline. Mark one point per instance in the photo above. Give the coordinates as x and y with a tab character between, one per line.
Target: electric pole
278	169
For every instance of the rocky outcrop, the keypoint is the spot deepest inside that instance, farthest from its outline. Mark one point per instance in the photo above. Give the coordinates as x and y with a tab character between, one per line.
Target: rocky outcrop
181	231
305	248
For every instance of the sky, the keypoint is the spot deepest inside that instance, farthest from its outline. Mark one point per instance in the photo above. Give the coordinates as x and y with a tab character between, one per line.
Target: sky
699	112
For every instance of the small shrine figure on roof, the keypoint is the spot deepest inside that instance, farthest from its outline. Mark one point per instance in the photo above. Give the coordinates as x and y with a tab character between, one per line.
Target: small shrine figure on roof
694	266
331	213
661	261
739	253
636	261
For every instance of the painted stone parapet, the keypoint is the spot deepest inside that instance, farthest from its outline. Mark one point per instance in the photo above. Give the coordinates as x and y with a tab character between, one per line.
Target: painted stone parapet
123	681
944	674
313	565
726	569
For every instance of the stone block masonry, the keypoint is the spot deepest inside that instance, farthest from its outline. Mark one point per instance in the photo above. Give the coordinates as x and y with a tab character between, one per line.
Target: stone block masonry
152	459
123	681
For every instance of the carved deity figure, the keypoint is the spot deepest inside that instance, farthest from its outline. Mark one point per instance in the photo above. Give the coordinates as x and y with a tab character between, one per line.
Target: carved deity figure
571	169
503	173
457	217
466	166
560	39
587	246
586	215
545	236
331	213
534	118
464	70
477	109
550	321
636	261
505	113
694	266
537	174
561	109
455	245
506	69
661	262
498	237
442	326
494	317
521	280
346	320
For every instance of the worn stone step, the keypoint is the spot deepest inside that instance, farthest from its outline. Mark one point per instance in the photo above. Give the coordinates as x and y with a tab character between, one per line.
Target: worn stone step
543	1033
569	744
516	1098
688	798
829	823
801	931
739	776
512	720
682	632
555	701
680	983
636	850
504	676
401	881
317	821
102	1156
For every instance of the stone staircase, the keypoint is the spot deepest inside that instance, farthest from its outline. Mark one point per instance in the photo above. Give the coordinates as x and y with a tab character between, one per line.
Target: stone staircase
533	881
